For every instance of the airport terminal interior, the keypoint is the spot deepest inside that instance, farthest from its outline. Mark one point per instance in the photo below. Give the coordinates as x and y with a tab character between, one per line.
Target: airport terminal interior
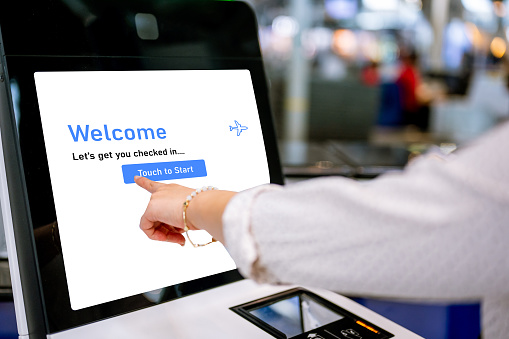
359	88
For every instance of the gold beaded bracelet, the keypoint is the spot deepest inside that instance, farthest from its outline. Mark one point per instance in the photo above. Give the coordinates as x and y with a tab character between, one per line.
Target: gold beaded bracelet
186	205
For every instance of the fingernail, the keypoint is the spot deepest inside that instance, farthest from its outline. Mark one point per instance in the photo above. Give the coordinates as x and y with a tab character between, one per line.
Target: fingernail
136	177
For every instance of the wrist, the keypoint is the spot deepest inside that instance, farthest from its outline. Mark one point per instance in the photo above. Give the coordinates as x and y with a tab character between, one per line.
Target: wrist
193	196
205	211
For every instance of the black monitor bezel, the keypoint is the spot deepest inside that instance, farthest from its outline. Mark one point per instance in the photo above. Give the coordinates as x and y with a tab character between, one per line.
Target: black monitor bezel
47	311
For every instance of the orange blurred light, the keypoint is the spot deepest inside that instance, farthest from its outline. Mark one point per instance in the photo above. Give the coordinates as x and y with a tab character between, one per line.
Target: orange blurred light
344	42
473	34
498	47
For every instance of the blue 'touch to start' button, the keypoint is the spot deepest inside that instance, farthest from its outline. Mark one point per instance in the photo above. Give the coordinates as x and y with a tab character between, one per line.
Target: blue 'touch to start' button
165	170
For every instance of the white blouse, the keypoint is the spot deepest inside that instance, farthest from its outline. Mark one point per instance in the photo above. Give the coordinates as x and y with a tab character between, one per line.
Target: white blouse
438	230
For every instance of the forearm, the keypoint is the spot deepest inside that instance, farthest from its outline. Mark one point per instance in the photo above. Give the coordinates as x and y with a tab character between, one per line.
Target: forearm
430	232
205	212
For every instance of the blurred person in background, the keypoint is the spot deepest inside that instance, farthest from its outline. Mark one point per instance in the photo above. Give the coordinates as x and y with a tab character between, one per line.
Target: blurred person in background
408	82
370	75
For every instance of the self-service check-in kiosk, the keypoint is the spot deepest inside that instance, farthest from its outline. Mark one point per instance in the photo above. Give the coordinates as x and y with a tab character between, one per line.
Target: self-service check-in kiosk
95	92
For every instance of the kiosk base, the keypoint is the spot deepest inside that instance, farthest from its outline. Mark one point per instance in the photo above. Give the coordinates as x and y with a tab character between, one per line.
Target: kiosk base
208	315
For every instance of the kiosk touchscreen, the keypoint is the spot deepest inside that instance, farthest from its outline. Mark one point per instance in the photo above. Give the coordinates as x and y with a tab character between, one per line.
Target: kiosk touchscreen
145	123
94	93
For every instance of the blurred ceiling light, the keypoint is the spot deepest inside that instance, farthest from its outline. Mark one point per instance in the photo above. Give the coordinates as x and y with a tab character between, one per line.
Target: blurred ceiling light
369	47
499	8
498	47
415	4
344	43
381	5
341	9
370	21
318	37
408	16
285	26
477	6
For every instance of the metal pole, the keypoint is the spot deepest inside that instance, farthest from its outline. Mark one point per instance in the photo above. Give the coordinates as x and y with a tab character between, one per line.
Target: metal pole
297	80
439	20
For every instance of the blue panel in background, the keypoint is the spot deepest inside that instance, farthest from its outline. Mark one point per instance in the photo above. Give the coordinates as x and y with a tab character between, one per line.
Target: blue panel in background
159	171
8	328
430	320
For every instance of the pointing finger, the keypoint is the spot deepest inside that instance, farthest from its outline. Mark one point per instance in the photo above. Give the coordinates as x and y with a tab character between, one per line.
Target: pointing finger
147	184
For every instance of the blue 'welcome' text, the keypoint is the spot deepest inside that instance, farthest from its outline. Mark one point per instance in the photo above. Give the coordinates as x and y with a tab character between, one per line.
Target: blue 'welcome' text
116	133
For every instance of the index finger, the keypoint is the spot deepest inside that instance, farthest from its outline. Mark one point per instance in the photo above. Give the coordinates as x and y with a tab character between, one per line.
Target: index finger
147	184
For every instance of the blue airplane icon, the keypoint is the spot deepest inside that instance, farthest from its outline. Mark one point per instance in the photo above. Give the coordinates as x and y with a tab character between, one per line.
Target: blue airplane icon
238	127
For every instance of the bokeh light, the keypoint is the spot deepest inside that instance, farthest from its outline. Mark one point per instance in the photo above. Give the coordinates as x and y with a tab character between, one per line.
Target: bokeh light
344	43
498	47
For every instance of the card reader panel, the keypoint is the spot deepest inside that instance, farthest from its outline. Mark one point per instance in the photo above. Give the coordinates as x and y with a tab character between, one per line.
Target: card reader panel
300	314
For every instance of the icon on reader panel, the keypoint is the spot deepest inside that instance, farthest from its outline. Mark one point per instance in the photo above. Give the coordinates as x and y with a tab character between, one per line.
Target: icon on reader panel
238	127
351	334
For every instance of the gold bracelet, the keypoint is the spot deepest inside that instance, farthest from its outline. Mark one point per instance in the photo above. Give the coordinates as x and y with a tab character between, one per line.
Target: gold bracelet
184	212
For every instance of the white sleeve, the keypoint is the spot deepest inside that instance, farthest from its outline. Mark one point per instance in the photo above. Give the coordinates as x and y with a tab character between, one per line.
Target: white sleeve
237	229
437	230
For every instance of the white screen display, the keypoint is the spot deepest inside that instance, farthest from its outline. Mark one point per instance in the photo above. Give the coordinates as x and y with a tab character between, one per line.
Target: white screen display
195	128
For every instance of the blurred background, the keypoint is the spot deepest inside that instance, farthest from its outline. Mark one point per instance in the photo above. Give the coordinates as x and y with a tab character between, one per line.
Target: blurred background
360	86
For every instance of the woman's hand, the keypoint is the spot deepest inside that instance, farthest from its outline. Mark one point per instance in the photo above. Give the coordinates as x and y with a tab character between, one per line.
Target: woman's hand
163	219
